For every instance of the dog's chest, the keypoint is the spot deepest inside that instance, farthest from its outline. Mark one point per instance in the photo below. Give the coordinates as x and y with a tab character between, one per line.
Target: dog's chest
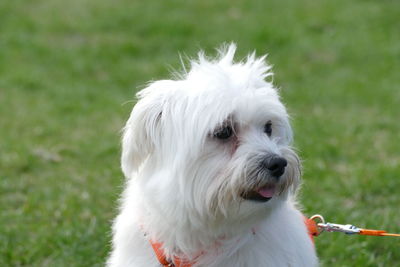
282	240
271	253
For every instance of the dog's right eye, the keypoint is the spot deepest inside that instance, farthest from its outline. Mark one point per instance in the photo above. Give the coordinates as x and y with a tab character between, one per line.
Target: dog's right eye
224	133
268	128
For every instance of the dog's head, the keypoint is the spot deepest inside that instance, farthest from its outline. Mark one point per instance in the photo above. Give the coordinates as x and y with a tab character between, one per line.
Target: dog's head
212	142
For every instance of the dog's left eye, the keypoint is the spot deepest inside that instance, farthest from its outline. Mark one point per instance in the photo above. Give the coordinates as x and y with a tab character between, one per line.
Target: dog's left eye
268	128
224	133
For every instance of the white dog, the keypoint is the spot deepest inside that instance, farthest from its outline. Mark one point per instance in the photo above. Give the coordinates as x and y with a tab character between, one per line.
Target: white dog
211	176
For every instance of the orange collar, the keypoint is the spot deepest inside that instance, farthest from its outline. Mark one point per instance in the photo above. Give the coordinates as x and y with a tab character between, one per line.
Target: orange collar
175	262
312	228
178	262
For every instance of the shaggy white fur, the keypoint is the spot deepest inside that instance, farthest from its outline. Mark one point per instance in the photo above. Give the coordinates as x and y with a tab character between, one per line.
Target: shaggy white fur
210	171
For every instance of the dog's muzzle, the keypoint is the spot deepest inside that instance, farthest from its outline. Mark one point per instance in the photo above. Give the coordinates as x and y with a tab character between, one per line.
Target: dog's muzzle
273	166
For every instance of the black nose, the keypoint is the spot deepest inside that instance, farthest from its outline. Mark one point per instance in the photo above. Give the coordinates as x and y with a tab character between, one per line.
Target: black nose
275	165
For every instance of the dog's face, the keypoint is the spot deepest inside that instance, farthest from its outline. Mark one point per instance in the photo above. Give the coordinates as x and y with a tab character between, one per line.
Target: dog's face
214	144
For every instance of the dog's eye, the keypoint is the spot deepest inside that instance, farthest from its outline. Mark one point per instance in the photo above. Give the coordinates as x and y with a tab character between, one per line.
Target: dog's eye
224	133
268	128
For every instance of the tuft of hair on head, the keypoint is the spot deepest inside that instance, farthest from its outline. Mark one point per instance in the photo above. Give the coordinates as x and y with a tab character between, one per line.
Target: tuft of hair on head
257	66
226	53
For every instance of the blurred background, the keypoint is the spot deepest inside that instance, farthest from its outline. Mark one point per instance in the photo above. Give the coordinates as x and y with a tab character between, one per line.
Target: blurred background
69	71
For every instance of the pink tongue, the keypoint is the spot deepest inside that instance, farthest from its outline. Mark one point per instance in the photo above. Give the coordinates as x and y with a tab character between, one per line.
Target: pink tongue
267	191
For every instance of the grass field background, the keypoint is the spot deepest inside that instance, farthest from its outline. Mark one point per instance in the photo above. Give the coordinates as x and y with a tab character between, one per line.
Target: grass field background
69	70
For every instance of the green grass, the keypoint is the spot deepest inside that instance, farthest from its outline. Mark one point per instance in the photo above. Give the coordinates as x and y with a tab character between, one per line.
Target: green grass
68	67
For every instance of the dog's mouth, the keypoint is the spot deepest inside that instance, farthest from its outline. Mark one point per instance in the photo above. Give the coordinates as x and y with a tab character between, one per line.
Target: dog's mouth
262	194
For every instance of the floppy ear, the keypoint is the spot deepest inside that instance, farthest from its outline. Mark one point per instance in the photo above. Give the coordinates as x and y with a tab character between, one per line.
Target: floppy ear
142	129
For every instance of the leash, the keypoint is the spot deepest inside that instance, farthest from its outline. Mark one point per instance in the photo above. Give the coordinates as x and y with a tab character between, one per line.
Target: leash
316	225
